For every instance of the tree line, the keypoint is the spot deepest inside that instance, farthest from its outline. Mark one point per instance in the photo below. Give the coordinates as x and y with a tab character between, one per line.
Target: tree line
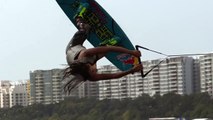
141	108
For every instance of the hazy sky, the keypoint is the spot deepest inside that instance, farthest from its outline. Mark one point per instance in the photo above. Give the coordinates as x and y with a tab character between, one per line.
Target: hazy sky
34	33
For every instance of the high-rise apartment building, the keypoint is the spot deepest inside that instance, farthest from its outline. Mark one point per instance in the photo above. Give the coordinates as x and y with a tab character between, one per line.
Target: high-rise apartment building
12	94
45	86
5	94
19	95
174	75
206	73
129	86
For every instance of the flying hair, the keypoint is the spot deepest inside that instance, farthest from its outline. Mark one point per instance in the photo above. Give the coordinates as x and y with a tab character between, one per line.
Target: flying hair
74	76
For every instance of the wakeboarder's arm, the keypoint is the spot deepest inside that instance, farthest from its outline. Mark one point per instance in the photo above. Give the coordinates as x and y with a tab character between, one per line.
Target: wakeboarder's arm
97	77
106	49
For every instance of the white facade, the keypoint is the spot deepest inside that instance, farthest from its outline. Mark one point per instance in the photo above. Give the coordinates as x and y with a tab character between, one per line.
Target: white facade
174	75
91	89
129	86
19	95
5	94
206	73
11	95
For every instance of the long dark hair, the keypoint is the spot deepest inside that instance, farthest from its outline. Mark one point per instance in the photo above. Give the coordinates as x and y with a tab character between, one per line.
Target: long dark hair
76	74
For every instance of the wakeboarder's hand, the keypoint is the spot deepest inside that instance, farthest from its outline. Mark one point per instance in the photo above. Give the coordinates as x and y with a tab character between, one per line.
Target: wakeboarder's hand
137	68
136	53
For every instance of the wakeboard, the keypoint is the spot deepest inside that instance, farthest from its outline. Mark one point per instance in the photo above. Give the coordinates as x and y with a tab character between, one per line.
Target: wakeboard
104	29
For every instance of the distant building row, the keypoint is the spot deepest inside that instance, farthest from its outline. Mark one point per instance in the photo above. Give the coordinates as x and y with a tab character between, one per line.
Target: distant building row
181	75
